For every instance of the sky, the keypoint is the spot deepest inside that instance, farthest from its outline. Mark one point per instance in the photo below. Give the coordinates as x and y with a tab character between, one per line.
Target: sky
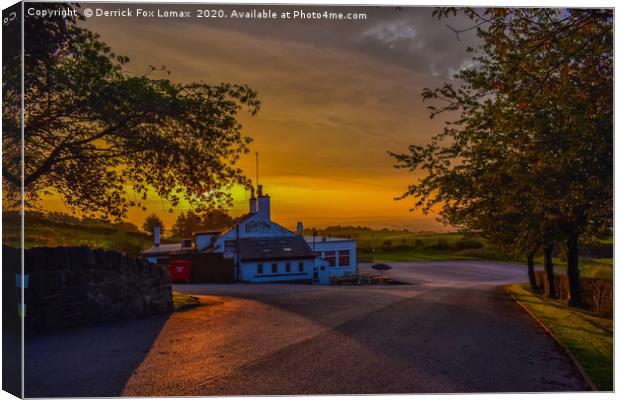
336	97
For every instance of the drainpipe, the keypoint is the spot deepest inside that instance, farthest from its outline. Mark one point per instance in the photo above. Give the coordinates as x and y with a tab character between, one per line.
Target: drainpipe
237	258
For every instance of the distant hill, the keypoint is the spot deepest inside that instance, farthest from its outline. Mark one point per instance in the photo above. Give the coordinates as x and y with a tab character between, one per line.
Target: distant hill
60	229
392	241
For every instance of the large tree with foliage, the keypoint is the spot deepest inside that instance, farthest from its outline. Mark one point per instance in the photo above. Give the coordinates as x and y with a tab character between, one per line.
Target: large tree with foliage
188	223
151	222
531	147
104	139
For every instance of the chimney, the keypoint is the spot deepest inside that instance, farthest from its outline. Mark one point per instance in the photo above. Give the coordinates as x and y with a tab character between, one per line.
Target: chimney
156	236
264	208
300	228
253	205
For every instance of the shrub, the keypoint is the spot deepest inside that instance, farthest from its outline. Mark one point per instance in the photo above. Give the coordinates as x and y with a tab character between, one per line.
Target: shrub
386	244
442	244
468	243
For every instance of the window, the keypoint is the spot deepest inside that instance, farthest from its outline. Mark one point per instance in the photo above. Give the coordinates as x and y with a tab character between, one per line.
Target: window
301	266
274	268
287	267
259	269
330	256
344	258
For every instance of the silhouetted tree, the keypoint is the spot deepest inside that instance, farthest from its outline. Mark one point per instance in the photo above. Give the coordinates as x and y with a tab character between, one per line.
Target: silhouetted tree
94	132
151	222
531	151
188	223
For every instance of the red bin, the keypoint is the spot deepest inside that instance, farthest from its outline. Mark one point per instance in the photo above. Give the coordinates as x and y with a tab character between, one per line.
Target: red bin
180	270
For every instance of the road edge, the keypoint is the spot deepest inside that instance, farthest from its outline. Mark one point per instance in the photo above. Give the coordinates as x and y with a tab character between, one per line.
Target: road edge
580	368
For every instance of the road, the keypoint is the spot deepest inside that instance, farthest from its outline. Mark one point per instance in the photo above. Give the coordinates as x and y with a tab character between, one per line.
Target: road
449	329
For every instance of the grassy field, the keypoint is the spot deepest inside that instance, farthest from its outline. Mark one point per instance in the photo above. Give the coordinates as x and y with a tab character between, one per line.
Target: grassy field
598	267
588	336
57	229
403	245
589	267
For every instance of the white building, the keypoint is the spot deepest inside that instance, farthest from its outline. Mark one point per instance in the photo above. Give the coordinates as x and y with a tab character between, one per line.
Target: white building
273	259
264	251
335	256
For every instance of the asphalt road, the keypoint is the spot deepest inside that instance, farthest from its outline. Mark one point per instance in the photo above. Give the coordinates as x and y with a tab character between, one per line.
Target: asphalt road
450	329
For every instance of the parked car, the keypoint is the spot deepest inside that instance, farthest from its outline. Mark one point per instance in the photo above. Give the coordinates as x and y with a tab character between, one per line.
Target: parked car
381	267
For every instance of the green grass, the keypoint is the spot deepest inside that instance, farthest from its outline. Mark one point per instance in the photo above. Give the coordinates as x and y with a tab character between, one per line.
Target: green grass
587	335
184	302
415	255
57	229
601	268
402	245
597	268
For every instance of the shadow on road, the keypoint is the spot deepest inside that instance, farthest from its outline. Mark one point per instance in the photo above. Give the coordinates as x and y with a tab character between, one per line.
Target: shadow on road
93	361
451	341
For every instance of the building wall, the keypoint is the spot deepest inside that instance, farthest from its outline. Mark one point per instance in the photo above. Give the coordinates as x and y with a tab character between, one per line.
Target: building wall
337	248
321	271
253	227
249	271
203	241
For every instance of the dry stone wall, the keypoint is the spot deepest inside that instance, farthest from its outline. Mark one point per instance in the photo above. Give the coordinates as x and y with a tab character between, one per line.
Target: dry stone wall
70	286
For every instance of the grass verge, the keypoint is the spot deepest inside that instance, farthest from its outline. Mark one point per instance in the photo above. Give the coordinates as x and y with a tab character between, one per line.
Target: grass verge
588	336
415	255
184	301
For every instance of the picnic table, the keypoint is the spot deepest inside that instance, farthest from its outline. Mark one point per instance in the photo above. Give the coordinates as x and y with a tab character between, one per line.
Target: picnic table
361	278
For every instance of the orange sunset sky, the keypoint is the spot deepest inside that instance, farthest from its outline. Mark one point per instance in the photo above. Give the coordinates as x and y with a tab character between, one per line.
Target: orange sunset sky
336	96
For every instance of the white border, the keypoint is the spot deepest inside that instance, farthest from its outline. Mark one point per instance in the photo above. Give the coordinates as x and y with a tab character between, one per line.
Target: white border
521	3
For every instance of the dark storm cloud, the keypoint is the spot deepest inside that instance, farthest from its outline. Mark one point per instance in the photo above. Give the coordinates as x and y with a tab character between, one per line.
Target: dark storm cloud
408	37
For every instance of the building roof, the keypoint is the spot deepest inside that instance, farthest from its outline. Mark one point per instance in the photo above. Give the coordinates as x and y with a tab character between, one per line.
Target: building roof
319	239
212	232
162	249
238	222
274	248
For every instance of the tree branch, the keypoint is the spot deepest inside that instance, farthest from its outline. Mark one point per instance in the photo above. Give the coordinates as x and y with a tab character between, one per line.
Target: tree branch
46	166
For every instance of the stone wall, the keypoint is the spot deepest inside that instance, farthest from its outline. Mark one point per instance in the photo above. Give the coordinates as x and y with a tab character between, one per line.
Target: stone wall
70	286
596	294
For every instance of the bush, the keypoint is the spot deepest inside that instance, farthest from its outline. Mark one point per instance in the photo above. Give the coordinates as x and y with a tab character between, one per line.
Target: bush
468	243
442	244
386	245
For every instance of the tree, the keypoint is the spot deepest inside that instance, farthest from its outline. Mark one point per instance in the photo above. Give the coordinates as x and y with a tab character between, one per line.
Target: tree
95	133
188	223
151	222
530	153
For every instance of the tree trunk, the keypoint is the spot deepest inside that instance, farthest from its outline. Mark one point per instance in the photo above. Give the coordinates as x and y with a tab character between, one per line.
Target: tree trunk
548	250
530	271
572	256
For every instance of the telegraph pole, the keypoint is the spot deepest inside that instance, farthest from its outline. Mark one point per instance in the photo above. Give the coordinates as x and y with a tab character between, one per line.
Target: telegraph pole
257	169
